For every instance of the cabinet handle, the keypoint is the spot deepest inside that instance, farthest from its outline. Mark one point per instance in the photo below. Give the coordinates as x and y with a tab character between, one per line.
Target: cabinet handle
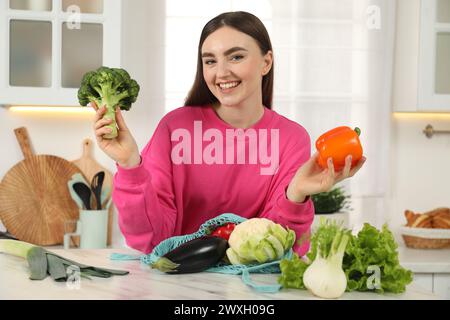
429	131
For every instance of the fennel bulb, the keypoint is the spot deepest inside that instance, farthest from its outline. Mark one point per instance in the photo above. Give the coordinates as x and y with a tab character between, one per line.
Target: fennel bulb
325	277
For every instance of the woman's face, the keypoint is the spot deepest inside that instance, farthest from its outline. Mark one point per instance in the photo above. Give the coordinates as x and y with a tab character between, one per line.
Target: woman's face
233	67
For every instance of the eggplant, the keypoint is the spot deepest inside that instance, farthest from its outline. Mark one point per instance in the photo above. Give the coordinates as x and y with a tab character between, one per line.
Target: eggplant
193	256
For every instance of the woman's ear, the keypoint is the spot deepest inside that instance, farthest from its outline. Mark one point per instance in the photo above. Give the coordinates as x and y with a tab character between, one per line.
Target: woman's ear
268	61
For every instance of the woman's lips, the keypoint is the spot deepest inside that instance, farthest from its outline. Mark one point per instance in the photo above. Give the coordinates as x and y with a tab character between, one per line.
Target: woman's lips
228	86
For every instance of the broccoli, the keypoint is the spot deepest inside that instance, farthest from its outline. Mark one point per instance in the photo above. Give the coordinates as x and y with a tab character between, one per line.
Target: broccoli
112	87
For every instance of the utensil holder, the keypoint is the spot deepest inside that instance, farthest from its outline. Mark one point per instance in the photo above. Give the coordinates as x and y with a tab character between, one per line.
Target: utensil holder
92	228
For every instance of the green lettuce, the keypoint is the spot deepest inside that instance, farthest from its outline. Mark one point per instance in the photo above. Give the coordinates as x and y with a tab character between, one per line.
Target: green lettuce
372	247
292	271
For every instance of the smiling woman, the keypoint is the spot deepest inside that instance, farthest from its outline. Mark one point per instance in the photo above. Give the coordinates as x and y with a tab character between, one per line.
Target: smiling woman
216	70
161	192
234	66
236	76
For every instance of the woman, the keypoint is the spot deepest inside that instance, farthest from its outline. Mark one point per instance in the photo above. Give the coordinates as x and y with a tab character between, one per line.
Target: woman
224	151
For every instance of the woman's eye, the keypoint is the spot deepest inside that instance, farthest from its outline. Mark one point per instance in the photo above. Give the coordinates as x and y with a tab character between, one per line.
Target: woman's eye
209	62
237	57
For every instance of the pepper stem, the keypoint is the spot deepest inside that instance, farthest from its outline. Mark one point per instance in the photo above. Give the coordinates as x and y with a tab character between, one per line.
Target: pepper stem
358	131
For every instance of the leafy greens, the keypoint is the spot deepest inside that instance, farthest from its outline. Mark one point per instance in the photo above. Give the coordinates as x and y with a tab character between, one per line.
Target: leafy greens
369	254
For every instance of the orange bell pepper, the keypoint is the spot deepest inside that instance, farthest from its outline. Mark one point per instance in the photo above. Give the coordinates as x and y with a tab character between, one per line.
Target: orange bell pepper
337	144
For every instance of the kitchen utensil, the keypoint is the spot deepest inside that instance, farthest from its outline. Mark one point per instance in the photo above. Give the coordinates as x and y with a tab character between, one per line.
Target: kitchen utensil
89	167
78	177
75	195
96	187
34	198
84	192
70	226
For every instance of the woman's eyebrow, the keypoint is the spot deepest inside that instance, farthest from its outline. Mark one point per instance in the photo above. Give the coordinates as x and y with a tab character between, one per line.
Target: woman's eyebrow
226	53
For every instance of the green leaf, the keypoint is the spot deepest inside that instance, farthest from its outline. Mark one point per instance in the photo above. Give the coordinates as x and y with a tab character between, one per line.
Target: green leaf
292	271
280	233
373	247
37	261
264	251
331	201
94	271
276	246
290	239
56	268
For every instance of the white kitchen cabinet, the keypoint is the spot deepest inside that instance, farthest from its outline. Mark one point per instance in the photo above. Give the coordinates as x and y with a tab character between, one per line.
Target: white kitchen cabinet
438	283
424	280
441	285
47	46
431	268
422	56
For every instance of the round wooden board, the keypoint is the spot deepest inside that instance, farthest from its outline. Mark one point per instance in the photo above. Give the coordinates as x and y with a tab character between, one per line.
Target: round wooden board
35	201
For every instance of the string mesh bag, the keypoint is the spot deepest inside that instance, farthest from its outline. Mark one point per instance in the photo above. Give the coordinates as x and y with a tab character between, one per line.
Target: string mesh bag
206	228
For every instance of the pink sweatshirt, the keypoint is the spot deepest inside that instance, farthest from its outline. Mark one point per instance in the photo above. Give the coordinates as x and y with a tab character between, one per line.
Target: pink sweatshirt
196	167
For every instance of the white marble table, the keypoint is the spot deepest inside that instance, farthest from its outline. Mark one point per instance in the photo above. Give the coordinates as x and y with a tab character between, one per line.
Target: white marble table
145	283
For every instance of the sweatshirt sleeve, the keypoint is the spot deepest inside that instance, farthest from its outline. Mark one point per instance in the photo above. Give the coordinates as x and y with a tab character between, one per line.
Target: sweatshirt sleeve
278	208
144	195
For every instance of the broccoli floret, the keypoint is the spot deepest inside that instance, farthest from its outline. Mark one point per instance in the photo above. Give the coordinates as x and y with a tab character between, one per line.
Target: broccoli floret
110	87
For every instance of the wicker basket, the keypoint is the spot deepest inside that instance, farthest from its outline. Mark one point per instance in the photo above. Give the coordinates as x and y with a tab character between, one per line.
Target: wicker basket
423	238
423	243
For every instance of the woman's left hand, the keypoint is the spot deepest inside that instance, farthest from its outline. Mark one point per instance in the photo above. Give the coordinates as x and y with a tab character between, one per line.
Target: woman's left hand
311	179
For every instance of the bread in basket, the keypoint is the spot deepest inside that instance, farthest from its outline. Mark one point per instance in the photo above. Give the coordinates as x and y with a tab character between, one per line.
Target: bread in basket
429	230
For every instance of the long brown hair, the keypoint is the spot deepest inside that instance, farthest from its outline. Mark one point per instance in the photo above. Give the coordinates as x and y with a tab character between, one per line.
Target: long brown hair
245	22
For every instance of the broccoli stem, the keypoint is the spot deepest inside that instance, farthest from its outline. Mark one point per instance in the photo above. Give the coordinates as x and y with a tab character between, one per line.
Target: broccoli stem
111	99
111	114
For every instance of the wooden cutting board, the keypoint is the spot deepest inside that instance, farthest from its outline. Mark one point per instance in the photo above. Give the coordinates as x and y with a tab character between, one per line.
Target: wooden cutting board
89	166
35	202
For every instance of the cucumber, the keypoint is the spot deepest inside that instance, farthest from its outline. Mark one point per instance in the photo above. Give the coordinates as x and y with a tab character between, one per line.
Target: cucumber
196	255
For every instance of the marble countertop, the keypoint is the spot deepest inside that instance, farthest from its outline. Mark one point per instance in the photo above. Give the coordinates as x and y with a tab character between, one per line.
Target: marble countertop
425	260
146	283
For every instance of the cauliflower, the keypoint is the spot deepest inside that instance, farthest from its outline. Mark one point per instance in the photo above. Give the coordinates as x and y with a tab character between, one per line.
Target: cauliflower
259	240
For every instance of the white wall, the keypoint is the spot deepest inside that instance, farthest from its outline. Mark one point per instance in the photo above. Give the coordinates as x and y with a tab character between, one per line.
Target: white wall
62	135
421	170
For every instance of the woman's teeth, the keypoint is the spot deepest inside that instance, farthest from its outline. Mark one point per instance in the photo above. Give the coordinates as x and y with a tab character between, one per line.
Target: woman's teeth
228	85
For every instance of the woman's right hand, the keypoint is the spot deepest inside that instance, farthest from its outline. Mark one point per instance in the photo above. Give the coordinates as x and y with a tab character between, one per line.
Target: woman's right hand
123	149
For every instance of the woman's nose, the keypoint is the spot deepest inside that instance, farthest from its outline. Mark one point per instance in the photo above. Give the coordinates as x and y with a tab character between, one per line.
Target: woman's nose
222	69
